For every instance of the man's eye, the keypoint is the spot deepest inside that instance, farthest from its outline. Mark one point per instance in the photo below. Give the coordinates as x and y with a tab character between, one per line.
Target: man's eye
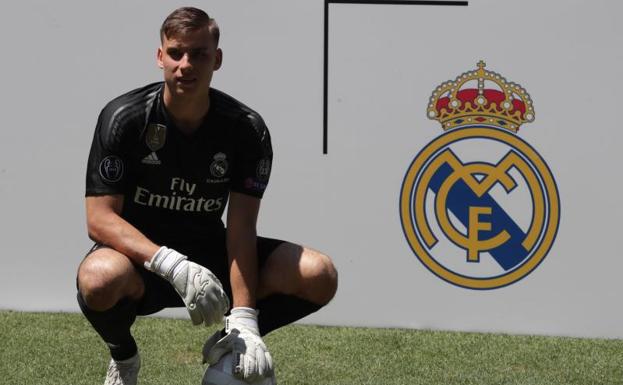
175	55
199	54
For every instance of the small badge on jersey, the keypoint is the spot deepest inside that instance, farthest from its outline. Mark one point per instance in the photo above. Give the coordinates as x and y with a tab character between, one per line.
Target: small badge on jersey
263	169
111	169
252	184
156	136
219	166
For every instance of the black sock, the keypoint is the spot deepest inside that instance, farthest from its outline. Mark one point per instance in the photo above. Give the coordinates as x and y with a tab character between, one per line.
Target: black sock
113	326
278	310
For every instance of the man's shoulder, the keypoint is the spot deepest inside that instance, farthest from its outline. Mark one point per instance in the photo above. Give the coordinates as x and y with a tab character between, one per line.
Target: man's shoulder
233	109
125	115
131	104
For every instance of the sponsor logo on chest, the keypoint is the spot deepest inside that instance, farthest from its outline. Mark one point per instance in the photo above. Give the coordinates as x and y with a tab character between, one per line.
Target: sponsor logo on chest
182	196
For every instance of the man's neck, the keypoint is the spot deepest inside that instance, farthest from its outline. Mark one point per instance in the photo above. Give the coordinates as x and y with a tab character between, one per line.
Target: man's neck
187	112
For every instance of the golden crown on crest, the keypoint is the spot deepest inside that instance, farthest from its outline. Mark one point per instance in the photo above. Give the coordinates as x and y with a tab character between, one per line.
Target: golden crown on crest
480	97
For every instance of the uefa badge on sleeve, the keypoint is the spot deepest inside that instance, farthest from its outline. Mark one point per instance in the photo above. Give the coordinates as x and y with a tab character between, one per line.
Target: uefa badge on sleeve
262	171
479	206
111	169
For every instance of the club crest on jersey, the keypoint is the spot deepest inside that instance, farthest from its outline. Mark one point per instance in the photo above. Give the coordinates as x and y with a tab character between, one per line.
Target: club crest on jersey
156	136
111	169
219	166
479	206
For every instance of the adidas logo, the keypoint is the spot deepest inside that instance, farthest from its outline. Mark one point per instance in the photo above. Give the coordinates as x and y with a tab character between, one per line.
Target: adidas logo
151	159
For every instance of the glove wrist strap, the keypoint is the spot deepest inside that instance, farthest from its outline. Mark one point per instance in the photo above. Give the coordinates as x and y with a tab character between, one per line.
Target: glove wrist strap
244	316
165	262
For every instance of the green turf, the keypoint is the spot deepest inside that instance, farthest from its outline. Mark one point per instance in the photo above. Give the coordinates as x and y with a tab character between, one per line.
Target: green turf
62	349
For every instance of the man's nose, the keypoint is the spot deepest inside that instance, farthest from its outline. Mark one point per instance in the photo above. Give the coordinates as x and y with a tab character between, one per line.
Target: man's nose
185	61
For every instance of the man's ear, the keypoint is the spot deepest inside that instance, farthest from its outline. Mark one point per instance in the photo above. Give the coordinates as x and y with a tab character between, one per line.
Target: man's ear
159	54
219	59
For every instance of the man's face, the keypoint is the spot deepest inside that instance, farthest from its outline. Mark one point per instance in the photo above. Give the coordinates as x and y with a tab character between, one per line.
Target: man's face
188	62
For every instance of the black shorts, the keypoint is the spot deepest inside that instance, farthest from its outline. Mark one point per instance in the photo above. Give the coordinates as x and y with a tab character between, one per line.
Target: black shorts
160	294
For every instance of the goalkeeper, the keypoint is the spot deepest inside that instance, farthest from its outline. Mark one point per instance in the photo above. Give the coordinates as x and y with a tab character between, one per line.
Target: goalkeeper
165	161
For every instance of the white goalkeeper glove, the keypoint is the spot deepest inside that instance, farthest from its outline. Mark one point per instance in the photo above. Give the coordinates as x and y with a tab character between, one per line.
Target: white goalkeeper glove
251	359
201	291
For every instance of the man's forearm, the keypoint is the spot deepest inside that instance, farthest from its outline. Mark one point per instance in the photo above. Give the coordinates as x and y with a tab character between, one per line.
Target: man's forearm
242	252
112	230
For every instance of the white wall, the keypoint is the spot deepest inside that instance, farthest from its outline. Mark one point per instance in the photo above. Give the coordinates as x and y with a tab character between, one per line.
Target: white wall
62	61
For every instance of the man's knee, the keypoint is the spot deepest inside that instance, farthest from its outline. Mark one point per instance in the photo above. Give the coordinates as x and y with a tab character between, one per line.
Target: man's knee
299	271
320	276
106	276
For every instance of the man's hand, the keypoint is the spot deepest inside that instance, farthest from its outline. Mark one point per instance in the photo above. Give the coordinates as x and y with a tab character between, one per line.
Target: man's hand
201	291
251	359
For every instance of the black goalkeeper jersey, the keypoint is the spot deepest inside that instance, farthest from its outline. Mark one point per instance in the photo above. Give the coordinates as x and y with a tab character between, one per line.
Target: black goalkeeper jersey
176	186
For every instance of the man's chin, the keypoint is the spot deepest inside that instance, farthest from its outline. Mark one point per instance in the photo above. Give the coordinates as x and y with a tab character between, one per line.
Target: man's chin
186	90
194	89
187	86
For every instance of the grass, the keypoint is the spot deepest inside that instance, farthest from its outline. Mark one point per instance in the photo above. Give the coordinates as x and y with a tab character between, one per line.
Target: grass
62	349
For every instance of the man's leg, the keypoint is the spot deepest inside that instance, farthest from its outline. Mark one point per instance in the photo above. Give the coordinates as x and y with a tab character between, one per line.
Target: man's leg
108	288
295	281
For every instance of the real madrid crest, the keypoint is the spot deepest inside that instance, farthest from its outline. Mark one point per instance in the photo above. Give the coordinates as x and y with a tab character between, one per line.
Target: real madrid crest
219	166
478	205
